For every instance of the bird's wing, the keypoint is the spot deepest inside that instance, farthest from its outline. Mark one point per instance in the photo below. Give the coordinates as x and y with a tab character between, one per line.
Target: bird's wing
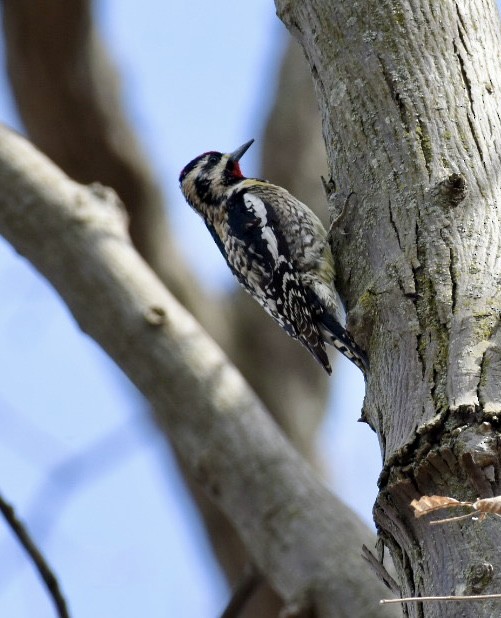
260	257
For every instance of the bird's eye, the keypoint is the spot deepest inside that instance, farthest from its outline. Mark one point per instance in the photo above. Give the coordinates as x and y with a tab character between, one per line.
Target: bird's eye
213	158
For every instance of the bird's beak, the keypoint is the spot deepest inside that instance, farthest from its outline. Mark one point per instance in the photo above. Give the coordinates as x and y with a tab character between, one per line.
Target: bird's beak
237	154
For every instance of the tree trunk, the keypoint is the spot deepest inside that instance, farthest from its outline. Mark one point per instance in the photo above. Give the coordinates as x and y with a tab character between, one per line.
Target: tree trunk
410	94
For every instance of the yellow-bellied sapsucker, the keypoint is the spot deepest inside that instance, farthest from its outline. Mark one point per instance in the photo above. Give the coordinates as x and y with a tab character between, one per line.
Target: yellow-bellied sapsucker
276	247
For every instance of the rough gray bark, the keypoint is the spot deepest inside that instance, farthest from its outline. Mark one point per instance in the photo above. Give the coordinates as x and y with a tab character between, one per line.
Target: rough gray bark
76	237
410	93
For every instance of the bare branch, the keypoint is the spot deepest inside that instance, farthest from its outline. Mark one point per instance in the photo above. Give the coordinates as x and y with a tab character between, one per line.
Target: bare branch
68	81
36	556
68	94
246	587
380	570
76	237
474	597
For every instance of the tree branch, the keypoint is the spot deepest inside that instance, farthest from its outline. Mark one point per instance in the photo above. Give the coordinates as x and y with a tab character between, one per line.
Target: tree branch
245	588
68	95
69	98
36	556
76	237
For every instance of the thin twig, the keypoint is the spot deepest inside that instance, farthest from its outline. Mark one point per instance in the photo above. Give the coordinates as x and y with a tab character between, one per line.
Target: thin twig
246	587
43	568
475	597
380	570
458	518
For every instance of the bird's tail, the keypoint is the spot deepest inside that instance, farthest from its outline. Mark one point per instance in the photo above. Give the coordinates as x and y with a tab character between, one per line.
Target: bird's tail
341	339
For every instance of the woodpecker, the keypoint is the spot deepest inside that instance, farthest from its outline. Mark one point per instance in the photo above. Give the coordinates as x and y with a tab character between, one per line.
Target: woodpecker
276	247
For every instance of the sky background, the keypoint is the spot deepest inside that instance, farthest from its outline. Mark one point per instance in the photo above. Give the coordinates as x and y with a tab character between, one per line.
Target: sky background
79	459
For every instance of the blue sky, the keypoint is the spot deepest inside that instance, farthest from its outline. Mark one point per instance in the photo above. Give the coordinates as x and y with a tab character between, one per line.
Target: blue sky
78	457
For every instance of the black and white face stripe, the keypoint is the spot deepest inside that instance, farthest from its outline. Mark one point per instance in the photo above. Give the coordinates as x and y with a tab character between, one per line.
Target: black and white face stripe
197	181
205	180
205	161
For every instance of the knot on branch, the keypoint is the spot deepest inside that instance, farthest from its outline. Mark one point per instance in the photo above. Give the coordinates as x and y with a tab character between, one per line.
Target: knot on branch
155	315
110	200
454	188
479	577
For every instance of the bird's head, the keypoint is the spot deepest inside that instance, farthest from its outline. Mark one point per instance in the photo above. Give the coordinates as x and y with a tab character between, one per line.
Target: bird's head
205	180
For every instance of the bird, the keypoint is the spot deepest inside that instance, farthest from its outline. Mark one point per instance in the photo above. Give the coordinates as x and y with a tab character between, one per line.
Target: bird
276	247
